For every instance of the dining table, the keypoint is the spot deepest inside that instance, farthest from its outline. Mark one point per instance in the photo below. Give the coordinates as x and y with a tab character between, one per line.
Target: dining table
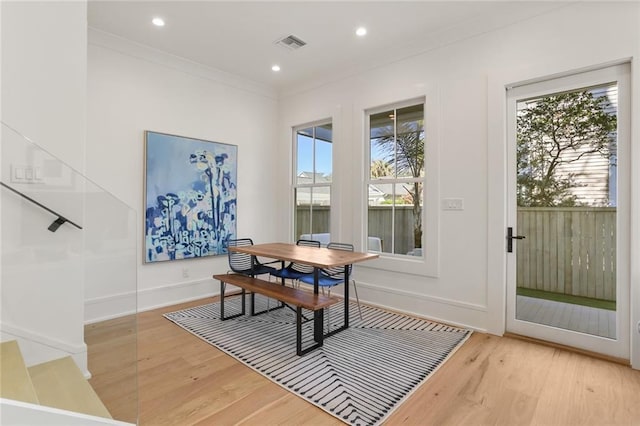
317	257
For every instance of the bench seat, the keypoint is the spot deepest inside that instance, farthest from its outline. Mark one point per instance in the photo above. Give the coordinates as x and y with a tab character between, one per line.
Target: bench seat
290	296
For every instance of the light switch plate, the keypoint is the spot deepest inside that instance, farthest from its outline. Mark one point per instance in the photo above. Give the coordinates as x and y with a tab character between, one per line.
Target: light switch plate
452	204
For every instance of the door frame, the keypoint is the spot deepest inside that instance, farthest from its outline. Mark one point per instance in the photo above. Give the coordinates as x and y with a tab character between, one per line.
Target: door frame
618	347
498	82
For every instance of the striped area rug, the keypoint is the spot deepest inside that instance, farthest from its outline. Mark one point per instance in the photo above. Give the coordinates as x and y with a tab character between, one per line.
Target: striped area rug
360	375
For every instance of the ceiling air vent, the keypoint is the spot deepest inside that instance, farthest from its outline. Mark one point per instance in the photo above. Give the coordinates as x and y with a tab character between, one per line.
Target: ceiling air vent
291	42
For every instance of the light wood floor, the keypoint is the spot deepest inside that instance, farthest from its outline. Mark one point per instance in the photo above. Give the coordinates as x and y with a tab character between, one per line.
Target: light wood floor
489	381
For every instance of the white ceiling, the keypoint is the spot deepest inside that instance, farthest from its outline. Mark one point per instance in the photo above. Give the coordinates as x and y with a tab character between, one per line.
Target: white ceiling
238	36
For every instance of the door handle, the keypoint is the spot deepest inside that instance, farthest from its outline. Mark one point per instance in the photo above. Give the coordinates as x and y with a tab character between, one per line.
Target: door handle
511	237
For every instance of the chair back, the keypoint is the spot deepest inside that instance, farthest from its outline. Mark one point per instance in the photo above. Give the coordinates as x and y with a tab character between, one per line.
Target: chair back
239	262
304	269
338	271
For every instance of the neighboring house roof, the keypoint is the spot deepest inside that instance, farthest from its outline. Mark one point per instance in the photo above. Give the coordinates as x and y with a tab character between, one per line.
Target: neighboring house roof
321	194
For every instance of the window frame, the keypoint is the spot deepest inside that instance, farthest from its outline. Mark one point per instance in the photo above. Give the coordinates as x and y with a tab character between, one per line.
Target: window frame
428	263
295	185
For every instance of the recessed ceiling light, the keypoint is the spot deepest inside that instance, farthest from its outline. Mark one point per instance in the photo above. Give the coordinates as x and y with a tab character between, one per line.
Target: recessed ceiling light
275	68
158	22
362	31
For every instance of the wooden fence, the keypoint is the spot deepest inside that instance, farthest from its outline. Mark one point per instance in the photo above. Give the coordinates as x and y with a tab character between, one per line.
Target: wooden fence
568	250
380	224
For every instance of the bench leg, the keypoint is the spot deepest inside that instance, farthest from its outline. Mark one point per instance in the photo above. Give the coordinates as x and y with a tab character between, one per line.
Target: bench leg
223	286
318	325
299	331
253	307
318	335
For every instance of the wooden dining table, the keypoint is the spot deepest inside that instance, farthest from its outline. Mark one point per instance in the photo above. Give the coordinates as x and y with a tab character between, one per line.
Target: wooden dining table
318	258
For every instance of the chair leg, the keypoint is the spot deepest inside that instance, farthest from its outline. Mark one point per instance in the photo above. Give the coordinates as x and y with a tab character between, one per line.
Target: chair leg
355	288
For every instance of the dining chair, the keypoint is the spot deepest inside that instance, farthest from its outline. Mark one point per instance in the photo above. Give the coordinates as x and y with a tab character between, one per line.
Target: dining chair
331	277
247	264
243	263
294	271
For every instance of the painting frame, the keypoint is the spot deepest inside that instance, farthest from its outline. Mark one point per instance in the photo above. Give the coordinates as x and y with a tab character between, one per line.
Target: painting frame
190	197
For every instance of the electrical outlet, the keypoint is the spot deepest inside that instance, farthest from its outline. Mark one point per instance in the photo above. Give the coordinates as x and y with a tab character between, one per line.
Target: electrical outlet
185	273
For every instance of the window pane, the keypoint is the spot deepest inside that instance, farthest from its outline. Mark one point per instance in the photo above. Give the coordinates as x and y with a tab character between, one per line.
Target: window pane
410	141
408	218
314	165
320	209
304	160
324	153
396	146
382	145
380	215
313	206
566	149
302	218
323	161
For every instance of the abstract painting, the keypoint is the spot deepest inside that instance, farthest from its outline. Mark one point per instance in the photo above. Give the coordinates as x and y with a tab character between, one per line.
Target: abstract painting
190	197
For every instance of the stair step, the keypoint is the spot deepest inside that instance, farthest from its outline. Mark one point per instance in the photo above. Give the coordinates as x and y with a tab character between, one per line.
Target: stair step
60	384
15	382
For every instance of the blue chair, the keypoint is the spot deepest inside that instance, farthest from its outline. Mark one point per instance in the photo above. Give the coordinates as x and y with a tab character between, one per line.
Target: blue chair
331	277
243	263
294	271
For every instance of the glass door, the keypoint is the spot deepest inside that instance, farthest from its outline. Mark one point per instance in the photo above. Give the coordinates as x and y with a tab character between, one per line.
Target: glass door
568	279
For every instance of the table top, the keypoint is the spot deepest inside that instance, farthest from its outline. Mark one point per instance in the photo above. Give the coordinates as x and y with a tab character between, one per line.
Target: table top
318	257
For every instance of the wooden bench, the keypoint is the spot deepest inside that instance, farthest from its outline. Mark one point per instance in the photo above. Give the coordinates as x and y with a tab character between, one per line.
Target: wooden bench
299	298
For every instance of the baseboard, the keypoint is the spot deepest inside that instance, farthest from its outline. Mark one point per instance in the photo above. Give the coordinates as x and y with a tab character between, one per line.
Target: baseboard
438	309
118	305
456	313
426	297
109	307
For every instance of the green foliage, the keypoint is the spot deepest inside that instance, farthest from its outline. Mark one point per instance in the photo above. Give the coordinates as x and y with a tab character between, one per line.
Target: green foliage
557	130
409	143
380	169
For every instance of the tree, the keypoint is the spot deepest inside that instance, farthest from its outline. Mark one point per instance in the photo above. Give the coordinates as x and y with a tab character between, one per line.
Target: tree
405	152
380	169
558	130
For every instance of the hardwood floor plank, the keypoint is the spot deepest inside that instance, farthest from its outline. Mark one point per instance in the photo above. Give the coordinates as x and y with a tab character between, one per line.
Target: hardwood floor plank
490	380
290	410
260	396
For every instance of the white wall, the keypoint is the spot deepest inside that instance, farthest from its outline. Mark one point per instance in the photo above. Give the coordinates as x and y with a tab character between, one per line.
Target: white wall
467	286
43	98
132	89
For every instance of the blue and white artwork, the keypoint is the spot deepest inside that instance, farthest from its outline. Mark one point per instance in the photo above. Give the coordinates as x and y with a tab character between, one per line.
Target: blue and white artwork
190	190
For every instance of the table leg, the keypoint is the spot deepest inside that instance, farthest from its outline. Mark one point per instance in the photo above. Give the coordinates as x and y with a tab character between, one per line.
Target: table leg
346	296
318	317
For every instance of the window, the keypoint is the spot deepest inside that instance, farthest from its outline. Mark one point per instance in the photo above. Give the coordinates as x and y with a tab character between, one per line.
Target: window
312	183
396	177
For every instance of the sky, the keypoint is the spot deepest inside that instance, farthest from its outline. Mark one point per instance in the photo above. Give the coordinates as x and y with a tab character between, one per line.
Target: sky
323	155
305	155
